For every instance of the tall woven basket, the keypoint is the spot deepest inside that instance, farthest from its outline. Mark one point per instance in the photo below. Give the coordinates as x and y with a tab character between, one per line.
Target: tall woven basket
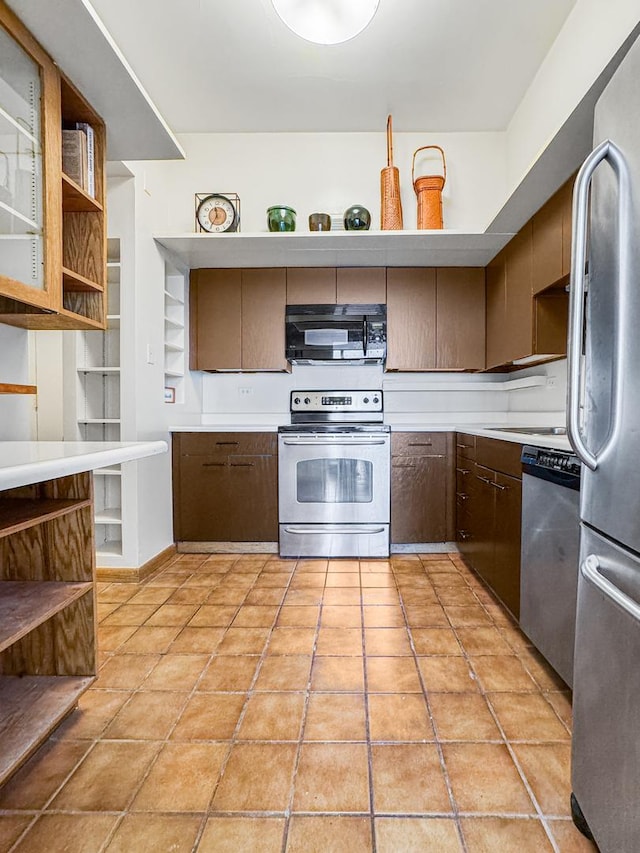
390	203
429	188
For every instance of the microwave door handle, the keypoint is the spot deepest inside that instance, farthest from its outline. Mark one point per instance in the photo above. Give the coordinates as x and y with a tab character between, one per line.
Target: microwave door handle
365	334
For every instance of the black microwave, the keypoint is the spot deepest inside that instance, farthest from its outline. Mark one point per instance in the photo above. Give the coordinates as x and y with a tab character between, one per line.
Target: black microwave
336	334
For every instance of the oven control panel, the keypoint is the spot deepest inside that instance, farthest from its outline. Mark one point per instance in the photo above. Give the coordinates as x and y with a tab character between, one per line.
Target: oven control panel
336	401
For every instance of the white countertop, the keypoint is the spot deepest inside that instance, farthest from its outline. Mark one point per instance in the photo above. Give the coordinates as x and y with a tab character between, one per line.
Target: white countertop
558	442
25	462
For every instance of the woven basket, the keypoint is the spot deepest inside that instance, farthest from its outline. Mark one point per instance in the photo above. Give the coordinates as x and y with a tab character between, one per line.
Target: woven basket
390	203
428	189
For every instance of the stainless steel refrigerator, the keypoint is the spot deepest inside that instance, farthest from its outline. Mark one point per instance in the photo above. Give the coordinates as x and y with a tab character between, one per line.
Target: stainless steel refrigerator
604	428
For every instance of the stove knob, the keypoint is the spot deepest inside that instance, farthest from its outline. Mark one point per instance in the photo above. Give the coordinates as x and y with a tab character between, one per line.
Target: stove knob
307	401
376	400
296	400
366	400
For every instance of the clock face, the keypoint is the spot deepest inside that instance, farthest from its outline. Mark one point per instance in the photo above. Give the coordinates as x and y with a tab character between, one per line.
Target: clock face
216	214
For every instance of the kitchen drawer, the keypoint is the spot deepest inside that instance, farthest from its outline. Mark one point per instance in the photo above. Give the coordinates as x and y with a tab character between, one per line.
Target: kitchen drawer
466	446
226	443
419	443
499	455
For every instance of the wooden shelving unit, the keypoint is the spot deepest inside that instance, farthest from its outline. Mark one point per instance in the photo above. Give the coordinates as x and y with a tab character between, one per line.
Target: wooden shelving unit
53	264
47	610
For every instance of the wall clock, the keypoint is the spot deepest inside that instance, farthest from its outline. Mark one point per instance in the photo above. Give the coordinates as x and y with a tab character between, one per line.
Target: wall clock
217	213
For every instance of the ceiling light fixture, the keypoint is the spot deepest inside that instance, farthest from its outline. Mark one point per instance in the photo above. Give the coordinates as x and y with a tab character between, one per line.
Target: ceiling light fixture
326	21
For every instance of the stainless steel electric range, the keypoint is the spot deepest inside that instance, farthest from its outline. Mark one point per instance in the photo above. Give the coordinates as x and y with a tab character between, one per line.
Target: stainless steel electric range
334	463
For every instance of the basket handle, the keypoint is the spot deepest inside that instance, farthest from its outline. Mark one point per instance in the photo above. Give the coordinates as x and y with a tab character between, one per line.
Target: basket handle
389	143
424	148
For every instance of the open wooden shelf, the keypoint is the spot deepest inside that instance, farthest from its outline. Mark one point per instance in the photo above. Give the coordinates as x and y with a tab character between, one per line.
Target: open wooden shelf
8	388
26	604
77	200
76	283
31	707
18	514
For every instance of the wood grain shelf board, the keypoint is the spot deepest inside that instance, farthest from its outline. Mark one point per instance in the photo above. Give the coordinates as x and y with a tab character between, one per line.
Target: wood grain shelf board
66	319
18	514
78	283
26	604
32	706
8	388
77	200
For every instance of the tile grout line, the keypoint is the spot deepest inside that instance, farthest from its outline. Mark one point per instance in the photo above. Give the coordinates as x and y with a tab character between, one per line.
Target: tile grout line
164	742
189	695
539	812
305	709
249	693
425	692
367	718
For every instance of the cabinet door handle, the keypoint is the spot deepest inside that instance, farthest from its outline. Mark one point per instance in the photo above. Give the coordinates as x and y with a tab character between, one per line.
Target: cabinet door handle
242	464
462	496
463	535
225	443
464	446
485	480
498	486
420	444
214	464
463	470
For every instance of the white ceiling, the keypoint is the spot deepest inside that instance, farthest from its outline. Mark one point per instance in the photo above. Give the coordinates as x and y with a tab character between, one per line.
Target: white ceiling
232	65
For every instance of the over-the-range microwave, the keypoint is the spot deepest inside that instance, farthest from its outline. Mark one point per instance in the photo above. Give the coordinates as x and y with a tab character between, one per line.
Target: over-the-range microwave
336	334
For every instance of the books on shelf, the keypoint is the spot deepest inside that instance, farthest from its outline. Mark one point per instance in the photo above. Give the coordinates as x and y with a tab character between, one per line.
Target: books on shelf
78	156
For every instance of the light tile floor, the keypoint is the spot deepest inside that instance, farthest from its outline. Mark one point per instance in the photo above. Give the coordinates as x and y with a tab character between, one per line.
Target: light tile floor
248	703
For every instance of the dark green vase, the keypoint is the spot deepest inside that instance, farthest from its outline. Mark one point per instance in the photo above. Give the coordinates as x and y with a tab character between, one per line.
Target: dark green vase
357	218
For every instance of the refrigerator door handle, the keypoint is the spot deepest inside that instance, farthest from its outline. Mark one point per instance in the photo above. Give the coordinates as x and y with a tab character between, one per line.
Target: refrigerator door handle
590	570
607	150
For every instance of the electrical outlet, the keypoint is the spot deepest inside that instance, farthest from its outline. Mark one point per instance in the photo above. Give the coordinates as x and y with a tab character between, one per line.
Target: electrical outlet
551	381
245	391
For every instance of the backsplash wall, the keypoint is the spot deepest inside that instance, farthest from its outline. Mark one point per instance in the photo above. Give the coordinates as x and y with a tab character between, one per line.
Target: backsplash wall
263	398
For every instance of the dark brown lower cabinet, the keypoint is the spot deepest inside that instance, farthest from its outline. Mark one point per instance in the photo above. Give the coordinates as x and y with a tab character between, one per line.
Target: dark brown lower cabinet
225	489
488	518
422	487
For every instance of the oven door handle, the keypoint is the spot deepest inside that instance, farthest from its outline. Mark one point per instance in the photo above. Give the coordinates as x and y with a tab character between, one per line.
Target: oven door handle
321	442
305	531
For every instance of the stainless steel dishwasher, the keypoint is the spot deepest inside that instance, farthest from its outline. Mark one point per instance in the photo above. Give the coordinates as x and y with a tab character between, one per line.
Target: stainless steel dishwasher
550	553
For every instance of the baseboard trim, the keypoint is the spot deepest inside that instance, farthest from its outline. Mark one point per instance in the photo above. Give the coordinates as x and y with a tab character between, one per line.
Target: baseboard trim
227	547
424	548
104	574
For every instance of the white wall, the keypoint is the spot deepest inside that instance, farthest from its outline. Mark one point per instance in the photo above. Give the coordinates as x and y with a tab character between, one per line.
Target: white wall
591	35
15	410
262	399
325	172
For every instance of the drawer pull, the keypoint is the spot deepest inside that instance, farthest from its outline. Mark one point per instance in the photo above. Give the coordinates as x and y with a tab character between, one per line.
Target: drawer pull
214	464
485	480
462	496
498	486
226	443
420	444
463	471
464	446
243	464
463	535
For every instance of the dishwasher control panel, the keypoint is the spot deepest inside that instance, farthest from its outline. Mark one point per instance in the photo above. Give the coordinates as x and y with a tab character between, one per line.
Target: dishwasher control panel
553	460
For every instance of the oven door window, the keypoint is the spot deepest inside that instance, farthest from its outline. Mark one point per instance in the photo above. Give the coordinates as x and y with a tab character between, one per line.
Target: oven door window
334	481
